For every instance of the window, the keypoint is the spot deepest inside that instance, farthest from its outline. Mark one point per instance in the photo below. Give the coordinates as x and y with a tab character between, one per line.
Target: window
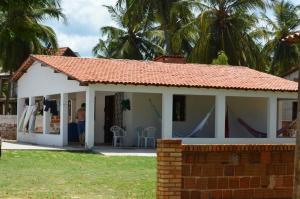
178	108
294	113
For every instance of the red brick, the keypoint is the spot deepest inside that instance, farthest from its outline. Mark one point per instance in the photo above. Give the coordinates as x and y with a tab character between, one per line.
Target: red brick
202	183
290	169
228	171
254	158
186	170
288	181
227	194
195	195
189	183
223	182
234	182
265	181
254	182
212	183
265	157
216	194
212	170
279	181
288	157
277	169
185	195
205	195
196	170
244	182
243	193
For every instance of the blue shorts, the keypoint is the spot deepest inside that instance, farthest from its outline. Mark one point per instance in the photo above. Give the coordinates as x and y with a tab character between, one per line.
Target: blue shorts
81	127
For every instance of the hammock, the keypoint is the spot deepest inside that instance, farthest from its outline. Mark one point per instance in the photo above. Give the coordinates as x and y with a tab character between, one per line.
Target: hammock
260	134
251	130
256	133
199	127
155	109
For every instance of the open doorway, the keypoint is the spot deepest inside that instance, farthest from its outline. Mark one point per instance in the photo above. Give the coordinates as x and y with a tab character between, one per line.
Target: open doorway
109	118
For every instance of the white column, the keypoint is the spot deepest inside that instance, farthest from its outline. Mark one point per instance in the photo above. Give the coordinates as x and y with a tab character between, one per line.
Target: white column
46	118
167	115
90	118
220	114
64	118
1	86
31	103
20	109
272	117
279	113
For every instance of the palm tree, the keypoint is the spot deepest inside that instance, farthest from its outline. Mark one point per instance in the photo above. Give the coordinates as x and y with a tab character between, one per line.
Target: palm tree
131	40
286	20
22	31
171	17
228	25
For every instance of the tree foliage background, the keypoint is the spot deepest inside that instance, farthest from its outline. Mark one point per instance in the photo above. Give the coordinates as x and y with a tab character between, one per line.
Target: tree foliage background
248	32
201	29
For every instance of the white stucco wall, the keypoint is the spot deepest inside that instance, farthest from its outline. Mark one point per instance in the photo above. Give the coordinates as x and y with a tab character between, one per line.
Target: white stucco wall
40	81
287	110
252	110
196	109
293	76
43	81
143	115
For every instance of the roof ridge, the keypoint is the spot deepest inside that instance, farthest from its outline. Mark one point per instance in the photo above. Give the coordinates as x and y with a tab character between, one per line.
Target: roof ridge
143	61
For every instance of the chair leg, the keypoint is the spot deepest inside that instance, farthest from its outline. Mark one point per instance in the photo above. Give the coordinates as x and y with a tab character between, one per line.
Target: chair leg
146	142
115	142
138	142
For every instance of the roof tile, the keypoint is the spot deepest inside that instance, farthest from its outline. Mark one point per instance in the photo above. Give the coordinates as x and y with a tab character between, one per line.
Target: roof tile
114	71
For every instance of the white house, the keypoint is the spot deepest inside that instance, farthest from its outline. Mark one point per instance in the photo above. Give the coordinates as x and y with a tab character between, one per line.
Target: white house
196	103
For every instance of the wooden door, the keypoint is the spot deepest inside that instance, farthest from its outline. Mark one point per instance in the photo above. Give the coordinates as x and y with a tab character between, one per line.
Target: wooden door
109	118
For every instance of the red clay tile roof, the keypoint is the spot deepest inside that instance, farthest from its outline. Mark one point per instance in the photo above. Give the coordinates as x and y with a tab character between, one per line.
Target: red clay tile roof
292	38
113	71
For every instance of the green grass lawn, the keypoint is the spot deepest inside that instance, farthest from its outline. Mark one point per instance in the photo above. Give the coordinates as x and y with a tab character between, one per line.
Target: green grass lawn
45	174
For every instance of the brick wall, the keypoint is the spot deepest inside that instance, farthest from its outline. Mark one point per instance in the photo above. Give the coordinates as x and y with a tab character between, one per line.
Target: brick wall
8	127
169	169
225	171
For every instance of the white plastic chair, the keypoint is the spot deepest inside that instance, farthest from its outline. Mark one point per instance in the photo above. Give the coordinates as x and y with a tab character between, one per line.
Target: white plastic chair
150	135
140	135
118	135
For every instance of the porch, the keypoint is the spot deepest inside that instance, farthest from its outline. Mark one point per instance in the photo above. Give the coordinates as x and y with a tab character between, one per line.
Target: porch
197	116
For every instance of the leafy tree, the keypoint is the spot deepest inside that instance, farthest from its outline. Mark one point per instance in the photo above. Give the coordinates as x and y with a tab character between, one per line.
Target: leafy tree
222	59
131	40
172	18
286	20
228	25
22	31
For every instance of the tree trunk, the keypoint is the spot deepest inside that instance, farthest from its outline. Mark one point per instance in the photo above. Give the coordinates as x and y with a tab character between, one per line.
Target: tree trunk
167	42
296	194
8	95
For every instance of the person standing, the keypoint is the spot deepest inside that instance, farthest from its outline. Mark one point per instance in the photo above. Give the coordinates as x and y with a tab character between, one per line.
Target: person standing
81	123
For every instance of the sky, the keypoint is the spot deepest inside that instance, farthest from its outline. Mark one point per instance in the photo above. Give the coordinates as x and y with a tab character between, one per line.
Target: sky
84	20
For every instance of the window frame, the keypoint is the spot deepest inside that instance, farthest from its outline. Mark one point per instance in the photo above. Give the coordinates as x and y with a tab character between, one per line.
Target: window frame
179	108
